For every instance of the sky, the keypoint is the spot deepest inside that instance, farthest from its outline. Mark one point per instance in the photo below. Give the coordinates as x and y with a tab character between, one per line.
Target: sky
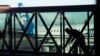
34	3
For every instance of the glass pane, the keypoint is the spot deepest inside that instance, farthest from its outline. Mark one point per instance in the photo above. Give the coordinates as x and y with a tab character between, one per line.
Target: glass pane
44	20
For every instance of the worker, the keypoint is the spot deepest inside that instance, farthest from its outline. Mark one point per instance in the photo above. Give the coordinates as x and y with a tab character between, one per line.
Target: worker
79	40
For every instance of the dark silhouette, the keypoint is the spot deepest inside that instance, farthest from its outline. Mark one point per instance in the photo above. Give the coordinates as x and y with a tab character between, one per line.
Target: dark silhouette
79	40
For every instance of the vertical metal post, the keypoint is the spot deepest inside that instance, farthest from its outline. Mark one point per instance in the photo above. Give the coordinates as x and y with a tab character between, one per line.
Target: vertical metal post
96	30
61	30
36	39
14	32
10	33
88	29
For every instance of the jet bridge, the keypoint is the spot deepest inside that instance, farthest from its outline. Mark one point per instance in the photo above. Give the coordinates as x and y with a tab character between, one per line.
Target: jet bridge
12	44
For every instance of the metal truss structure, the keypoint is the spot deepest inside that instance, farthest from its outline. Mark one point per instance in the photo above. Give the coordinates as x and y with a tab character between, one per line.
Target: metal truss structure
11	16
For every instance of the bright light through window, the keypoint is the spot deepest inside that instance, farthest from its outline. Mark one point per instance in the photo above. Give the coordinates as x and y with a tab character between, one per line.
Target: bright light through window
38	3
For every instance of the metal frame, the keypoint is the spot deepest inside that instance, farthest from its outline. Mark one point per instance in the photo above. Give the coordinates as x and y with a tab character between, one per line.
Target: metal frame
37	10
